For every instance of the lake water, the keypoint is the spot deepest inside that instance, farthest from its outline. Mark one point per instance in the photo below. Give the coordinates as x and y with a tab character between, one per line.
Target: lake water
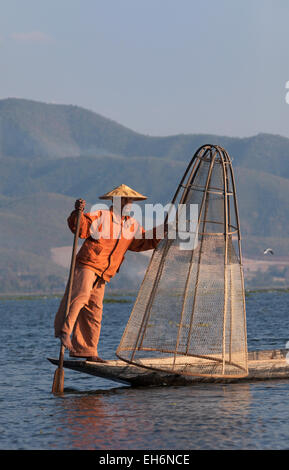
94	413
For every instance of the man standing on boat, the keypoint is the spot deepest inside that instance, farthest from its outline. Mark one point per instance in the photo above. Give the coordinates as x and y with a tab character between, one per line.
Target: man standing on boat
108	235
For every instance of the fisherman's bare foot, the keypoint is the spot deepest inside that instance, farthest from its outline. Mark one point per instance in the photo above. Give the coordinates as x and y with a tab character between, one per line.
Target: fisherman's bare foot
96	359
66	341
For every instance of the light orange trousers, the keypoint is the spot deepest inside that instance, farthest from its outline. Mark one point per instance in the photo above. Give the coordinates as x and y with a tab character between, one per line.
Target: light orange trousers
85	314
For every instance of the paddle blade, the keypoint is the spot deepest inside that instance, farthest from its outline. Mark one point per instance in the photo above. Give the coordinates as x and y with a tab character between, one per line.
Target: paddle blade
58	381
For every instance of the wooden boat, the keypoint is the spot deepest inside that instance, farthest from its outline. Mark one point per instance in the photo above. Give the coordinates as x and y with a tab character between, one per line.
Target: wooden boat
263	365
191	303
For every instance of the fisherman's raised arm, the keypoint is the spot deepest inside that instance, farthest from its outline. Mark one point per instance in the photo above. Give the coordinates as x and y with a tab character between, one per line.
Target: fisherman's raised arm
146	241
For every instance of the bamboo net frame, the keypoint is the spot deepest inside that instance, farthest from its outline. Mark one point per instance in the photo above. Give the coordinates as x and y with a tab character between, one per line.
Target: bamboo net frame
189	316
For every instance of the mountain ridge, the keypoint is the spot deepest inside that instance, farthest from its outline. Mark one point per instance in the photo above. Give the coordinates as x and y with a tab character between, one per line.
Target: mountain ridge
40	181
59	131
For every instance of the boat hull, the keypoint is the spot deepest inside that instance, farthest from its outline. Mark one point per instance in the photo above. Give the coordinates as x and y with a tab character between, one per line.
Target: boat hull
262	365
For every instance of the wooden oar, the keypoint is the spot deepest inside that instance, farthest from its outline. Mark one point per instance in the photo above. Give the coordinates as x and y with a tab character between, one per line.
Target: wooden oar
58	380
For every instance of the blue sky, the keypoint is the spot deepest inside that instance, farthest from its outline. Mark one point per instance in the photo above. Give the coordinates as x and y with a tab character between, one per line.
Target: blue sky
160	67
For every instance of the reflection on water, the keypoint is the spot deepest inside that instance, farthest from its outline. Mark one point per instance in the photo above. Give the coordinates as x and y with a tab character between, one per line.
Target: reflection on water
95	422
174	417
96	414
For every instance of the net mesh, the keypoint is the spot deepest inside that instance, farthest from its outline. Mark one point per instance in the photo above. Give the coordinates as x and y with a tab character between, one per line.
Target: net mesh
189	315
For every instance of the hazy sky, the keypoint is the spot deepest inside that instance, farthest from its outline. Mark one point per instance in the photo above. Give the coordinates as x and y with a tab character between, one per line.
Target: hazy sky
159	67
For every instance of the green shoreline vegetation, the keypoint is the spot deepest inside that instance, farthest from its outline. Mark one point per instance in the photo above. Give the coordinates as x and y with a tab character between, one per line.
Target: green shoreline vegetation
125	297
109	300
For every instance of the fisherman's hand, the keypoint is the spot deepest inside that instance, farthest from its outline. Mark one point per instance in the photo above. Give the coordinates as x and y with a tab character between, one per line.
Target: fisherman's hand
79	204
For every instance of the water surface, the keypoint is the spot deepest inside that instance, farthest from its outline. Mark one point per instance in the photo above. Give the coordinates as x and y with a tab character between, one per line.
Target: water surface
94	413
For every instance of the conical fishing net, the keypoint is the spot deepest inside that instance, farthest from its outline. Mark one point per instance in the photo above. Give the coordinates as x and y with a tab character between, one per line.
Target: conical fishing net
189	316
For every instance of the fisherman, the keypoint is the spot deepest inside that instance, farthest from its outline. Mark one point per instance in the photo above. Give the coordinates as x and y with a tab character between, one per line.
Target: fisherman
108	235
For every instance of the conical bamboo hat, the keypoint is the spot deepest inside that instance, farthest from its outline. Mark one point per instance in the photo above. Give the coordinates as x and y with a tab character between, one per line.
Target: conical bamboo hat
123	191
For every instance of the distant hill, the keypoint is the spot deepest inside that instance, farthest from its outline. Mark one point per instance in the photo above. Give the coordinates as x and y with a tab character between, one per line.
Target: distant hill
52	154
30	129
33	130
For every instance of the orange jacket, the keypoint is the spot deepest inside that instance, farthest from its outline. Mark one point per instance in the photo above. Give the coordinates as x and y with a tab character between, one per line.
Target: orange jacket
108	237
